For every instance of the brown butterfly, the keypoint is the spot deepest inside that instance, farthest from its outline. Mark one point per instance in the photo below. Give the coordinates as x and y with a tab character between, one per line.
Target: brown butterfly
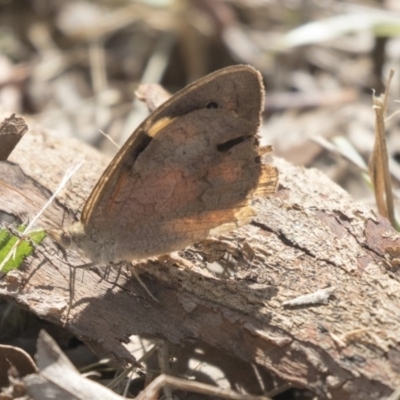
189	171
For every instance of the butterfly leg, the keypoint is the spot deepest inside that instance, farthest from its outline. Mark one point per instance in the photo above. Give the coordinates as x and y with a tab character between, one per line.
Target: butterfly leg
142	284
72	278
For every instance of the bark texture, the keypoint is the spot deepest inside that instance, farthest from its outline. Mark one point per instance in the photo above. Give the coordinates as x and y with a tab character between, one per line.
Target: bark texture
310	235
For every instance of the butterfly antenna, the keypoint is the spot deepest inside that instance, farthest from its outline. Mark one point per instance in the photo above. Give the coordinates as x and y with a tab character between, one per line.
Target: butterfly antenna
142	284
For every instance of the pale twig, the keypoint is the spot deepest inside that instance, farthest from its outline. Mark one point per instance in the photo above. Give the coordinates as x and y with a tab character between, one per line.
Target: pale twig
318	297
196	387
395	395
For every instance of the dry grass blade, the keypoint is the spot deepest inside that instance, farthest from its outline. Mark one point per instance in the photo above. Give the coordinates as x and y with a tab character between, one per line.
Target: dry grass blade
379	161
343	148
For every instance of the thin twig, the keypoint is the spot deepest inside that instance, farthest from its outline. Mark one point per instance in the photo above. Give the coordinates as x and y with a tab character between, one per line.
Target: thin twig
379	161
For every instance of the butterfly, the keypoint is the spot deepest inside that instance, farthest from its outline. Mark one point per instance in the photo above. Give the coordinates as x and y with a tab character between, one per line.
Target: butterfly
188	172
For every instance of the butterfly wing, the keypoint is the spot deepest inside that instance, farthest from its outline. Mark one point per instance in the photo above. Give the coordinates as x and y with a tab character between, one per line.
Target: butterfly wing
188	171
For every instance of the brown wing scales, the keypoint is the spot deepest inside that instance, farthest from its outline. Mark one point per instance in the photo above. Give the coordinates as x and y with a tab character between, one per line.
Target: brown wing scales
191	175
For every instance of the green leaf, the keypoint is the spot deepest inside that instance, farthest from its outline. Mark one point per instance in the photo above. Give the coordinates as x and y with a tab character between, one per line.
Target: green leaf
23	250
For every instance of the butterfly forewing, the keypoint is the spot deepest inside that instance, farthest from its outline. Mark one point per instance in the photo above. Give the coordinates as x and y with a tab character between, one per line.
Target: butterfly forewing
188	170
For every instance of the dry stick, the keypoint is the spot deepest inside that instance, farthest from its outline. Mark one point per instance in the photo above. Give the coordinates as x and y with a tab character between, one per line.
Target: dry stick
379	161
395	395
152	390
130	373
163	360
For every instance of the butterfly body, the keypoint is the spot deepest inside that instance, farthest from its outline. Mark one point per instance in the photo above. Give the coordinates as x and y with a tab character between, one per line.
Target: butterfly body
188	172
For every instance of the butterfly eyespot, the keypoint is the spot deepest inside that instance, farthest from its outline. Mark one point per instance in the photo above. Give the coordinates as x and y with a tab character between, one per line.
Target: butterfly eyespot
212	104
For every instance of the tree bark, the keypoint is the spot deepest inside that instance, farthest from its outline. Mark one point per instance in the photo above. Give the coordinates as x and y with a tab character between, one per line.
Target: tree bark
310	235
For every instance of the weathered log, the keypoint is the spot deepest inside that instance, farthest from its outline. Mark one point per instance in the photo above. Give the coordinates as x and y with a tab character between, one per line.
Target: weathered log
310	235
